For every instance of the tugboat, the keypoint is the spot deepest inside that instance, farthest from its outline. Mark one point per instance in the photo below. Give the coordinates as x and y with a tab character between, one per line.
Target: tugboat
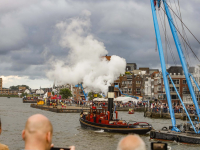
130	111
102	119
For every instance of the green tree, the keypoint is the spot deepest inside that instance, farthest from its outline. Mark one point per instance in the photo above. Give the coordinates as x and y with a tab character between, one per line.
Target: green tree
91	95
17	87
65	93
53	93
24	94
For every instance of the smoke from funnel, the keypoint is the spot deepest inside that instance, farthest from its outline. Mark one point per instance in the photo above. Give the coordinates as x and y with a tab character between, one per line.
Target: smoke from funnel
85	62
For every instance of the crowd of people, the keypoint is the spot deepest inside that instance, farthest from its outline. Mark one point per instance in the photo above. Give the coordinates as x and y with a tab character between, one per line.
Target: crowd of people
154	107
38	133
178	108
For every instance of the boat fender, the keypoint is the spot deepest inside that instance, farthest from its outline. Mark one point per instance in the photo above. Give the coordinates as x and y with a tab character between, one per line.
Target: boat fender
178	139
152	134
164	129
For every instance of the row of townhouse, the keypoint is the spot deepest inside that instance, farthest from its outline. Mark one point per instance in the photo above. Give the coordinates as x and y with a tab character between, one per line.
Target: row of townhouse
149	84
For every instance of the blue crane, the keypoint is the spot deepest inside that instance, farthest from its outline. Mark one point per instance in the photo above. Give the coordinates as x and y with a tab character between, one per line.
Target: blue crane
85	94
163	66
116	86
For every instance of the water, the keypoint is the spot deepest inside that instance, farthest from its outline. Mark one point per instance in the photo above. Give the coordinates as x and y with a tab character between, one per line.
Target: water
67	129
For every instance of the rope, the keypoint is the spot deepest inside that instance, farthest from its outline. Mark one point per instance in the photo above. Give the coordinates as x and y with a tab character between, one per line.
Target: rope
183	24
185	35
182	37
168	43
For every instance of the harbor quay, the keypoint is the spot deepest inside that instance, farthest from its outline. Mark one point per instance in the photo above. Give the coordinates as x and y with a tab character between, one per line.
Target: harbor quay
60	109
78	108
147	111
162	113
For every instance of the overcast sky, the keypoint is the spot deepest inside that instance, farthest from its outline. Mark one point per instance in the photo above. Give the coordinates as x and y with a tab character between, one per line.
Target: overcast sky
30	40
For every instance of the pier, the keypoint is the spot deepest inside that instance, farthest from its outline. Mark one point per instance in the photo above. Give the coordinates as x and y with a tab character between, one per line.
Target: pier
78	108
166	115
60	109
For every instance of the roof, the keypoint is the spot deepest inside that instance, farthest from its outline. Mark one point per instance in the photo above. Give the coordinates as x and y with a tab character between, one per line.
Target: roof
175	69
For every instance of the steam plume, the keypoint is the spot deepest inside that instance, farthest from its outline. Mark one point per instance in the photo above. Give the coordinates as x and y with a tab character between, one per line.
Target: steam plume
85	62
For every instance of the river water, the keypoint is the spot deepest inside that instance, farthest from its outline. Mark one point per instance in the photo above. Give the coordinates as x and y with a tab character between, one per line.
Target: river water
67	129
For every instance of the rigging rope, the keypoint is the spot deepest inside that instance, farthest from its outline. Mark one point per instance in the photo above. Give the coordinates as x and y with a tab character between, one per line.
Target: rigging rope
168	43
184	33
182	37
184	24
185	46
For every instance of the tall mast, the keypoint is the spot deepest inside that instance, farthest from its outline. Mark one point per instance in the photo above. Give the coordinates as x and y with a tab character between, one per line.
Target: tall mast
181	56
163	66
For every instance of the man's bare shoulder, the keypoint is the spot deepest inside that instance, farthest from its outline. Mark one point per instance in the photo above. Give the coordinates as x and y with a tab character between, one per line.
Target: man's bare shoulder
3	147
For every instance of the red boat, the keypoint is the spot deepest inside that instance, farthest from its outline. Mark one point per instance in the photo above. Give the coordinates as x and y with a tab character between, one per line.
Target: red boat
100	119
131	111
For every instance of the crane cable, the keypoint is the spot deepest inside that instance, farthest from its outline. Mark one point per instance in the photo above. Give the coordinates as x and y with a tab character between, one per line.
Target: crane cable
184	24
168	43
184	34
183	37
183	30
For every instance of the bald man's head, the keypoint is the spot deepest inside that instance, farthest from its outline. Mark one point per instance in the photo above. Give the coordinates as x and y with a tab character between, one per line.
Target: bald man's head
131	142
38	123
38	129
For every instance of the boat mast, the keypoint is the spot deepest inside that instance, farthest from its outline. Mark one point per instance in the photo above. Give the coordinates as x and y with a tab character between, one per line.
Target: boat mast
181	56
163	66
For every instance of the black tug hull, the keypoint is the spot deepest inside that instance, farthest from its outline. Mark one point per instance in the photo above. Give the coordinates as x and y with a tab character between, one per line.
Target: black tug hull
190	138
138	129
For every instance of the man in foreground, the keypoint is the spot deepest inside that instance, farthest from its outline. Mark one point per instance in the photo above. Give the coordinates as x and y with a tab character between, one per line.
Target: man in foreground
131	142
2	146
38	133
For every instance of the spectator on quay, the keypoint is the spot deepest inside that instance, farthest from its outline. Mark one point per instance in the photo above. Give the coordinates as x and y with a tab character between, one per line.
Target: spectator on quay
131	142
2	146
38	133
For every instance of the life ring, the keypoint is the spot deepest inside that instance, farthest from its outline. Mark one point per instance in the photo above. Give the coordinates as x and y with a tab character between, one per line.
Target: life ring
152	134
178	139
164	129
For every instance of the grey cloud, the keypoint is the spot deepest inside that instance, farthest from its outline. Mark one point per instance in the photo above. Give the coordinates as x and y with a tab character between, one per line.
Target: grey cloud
29	38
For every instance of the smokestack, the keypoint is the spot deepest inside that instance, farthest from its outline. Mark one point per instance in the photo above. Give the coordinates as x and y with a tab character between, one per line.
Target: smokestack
110	100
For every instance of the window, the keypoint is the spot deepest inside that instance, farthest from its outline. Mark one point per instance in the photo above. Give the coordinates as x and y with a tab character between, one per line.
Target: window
176	81
137	91
159	88
174	96
130	90
184	88
184	82
138	82
172	89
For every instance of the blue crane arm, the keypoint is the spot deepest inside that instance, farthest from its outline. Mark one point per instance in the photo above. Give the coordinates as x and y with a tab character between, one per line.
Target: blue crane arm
181	56
85	94
163	66
116	86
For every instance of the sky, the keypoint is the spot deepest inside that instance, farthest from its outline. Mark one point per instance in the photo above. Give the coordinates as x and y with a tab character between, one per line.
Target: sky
36	36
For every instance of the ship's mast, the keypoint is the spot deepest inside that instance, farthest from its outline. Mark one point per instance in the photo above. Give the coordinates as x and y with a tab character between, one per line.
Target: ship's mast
181	56
182	59
163	66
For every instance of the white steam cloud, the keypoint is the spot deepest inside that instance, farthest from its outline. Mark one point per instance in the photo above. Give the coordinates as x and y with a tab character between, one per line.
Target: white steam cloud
85	62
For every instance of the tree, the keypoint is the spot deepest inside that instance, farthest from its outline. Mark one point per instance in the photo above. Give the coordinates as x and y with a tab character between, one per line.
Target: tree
65	93
91	95
17	87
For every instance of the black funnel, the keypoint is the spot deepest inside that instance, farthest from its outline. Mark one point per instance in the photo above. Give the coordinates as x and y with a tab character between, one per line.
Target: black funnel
110	100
